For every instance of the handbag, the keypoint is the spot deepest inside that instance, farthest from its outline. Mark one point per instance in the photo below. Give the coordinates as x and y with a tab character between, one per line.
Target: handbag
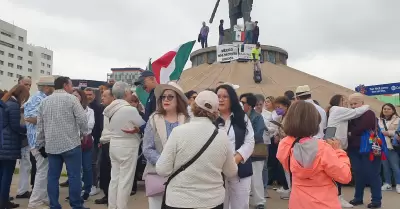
87	142
395	144
154	184
260	150
186	165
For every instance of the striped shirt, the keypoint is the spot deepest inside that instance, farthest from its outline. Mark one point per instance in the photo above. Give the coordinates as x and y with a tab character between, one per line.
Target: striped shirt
60	120
31	111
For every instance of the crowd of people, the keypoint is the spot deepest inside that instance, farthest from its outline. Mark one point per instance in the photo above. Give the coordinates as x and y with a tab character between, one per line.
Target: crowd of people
208	149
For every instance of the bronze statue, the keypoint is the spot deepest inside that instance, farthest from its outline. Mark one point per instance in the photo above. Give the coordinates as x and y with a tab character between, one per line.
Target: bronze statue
237	9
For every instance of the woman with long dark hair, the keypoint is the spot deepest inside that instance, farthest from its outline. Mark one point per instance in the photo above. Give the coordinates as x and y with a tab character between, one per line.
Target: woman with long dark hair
171	112
10	139
389	122
338	115
237	125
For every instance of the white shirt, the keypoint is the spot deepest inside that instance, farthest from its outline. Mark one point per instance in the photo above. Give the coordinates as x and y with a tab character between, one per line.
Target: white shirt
272	129
339	117
246	150
322	125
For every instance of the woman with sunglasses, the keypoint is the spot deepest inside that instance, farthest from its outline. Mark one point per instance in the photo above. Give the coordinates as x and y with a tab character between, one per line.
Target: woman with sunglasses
171	112
237	125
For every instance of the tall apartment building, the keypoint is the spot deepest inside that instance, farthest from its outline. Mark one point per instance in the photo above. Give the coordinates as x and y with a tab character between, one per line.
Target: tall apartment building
18	58
128	75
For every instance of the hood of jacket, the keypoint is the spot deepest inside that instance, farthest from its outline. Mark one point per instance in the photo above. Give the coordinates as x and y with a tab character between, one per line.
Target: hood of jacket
117	104
305	154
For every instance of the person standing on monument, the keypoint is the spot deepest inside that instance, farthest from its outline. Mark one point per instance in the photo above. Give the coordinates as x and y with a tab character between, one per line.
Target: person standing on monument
248	28
221	32
256	33
204	35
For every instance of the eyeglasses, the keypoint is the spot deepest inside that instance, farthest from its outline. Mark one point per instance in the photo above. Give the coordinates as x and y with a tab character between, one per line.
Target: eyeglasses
168	97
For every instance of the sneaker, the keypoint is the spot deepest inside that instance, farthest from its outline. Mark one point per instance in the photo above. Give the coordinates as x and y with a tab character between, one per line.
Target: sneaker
12	205
374	205
344	203
386	187
260	207
64	184
285	194
85	196
101	201
94	191
398	188
356	202
25	195
280	190
133	192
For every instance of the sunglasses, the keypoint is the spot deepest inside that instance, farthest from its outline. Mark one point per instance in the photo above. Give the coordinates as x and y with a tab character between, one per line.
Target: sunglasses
167	97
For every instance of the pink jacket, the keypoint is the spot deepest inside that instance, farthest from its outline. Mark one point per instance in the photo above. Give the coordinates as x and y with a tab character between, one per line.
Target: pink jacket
314	187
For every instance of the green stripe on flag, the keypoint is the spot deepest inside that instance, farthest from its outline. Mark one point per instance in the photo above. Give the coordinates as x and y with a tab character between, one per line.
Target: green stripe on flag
140	92
182	55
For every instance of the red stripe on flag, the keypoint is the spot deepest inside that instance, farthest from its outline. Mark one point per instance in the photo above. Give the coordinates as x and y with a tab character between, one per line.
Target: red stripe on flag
162	62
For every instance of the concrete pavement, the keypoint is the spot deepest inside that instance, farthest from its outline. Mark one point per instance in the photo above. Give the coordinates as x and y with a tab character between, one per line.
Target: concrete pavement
139	201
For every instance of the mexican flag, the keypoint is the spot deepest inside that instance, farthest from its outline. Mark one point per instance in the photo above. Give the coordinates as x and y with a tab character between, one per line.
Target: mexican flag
168	67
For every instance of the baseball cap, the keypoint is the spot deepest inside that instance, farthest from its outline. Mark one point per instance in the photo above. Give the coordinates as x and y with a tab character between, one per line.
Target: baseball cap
143	75
207	100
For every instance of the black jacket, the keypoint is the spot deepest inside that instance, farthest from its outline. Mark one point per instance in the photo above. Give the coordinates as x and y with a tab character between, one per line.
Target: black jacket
151	106
98	120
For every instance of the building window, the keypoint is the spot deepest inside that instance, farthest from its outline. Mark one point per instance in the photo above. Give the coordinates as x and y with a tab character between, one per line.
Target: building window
29	62
10	74
30	53
18	75
6	34
48	73
10	65
19	67
49	66
45	56
29	70
6	44
20	49
1	72
42	64
1	62
1	52
20	38
19	58
10	55
42	71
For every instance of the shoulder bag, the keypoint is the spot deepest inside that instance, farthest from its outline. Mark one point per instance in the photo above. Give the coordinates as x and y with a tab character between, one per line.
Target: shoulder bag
395	144
186	165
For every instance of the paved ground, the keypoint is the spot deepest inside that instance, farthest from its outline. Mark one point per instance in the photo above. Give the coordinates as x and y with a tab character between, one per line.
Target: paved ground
139	201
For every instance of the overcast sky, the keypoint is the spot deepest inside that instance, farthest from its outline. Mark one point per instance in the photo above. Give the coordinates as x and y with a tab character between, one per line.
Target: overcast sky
346	42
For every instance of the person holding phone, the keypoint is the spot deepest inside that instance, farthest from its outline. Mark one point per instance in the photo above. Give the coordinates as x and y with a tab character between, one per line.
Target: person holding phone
314	165
338	115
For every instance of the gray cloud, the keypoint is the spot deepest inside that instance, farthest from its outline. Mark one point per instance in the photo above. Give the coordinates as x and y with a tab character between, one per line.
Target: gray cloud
100	34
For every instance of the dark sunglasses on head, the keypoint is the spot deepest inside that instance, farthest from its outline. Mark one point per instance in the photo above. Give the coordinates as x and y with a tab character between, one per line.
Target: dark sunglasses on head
193	97
168	97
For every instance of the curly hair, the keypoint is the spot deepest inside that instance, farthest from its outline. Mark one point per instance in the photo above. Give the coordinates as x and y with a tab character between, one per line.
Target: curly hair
199	112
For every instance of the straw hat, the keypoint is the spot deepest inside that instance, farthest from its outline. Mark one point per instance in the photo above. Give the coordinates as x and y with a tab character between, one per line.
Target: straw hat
170	86
46	81
303	90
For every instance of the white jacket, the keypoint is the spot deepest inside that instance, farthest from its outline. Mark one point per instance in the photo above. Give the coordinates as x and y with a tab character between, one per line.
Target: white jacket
121	115
339	117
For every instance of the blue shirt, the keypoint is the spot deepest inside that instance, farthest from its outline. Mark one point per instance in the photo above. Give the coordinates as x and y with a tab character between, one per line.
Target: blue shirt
31	111
149	146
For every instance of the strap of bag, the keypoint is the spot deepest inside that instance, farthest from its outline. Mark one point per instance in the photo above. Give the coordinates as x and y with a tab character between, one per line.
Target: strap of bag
384	124
190	162
297	140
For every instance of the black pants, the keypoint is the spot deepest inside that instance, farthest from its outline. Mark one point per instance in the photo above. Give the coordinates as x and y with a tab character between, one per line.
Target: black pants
282	178
105	168
273	163
218	207
33	169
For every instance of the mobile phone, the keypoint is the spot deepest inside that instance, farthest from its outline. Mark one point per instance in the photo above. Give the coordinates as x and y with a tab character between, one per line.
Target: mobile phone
330	133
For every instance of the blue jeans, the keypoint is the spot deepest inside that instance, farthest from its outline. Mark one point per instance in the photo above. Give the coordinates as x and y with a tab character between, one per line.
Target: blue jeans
392	164
87	176
248	39
73	161
203	41
6	173
366	172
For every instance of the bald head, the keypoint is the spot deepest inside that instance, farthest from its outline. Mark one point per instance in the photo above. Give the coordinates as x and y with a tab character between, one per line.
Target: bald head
26	81
356	100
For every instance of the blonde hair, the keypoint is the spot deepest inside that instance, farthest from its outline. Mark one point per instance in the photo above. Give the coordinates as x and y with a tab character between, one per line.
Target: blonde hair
357	96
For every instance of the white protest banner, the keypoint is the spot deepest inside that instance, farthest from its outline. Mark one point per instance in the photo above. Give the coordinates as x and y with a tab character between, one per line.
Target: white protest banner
227	53
245	51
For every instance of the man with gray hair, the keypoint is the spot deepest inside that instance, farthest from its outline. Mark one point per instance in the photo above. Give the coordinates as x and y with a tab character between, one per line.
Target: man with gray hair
124	147
39	196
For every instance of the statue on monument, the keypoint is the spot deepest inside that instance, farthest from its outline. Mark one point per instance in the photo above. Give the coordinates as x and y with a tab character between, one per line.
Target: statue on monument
237	9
